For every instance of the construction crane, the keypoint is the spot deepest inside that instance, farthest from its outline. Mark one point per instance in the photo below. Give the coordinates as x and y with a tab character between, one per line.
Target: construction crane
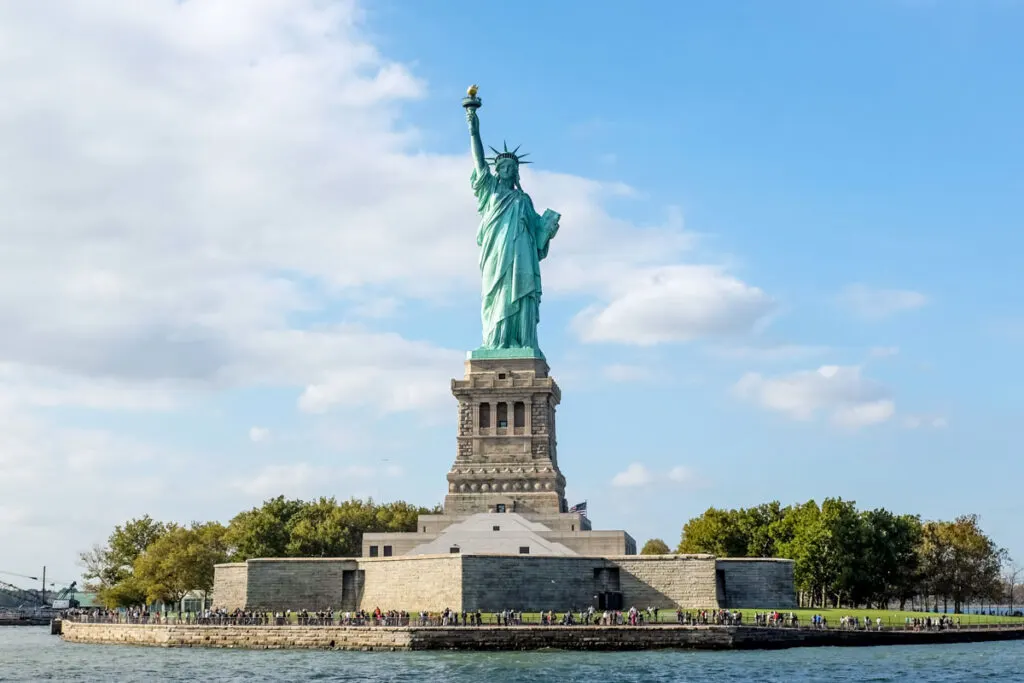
43	593
66	598
21	597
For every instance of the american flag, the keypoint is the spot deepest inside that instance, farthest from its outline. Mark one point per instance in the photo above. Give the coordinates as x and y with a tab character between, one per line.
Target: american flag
580	508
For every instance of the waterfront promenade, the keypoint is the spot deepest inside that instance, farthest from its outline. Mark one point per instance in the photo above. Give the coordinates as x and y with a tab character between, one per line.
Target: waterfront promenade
524	637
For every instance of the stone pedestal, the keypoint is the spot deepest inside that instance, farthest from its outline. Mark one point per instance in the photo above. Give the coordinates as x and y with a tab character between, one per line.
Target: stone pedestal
507	459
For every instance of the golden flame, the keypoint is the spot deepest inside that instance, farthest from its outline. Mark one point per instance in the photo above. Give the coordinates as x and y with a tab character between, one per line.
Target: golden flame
472	90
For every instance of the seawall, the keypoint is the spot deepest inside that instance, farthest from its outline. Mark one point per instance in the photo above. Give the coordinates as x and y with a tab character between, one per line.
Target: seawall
385	638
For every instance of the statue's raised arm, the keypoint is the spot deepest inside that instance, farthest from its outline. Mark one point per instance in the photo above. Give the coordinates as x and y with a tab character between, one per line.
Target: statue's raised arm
472	103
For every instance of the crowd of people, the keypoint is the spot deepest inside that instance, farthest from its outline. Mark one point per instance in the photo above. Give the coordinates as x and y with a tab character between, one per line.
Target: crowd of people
449	617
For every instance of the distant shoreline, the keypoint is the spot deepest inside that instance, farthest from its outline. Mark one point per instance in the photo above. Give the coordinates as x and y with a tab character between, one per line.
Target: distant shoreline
505	638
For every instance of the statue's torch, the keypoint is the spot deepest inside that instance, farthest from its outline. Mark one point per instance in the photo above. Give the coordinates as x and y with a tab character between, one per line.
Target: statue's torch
471	101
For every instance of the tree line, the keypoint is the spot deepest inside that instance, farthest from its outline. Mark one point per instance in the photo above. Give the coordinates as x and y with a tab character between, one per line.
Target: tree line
146	561
849	557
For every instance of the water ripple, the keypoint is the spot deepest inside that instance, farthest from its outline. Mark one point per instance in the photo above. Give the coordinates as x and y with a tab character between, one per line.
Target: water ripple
31	654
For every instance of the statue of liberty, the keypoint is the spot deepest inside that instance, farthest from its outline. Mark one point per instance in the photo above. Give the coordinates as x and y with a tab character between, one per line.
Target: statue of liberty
513	239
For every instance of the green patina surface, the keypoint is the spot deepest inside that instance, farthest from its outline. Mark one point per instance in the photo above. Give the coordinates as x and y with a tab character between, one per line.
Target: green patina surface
513	240
484	353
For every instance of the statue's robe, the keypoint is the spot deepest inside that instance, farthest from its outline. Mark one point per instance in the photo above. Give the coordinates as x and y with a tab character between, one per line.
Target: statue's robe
513	239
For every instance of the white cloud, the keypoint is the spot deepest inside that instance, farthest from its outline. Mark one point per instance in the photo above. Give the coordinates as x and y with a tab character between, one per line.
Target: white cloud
781	352
43	461
258	434
637	474
925	422
861	414
849	398
634	475
195	183
674	303
682	475
627	373
884	351
876	304
298	479
381	307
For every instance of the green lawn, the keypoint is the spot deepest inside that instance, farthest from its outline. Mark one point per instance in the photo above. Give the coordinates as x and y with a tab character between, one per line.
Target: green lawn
889	617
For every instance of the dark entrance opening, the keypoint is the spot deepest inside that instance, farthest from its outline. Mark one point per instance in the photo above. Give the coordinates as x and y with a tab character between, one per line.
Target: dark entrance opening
610	600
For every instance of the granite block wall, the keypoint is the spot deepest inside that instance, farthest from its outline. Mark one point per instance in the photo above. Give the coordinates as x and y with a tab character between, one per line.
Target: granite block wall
496	582
530	584
413	583
230	585
295	583
758	583
534	584
668	581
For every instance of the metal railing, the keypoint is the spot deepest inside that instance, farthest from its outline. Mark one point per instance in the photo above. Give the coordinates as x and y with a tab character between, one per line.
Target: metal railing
512	620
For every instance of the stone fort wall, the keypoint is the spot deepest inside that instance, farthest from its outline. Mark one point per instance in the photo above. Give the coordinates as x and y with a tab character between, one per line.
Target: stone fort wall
686	581
230	585
412	583
534	584
295	583
758	583
496	582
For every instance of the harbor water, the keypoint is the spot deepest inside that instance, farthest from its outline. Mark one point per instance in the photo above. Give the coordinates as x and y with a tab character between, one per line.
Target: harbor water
32	654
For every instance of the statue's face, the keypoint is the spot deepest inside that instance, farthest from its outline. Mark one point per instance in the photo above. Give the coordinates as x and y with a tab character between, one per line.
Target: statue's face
506	169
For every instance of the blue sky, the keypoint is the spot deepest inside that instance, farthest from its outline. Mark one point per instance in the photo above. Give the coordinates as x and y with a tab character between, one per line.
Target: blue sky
238	254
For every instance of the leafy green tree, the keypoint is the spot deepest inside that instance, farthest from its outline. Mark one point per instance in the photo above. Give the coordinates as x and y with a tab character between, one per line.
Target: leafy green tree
655	546
845	556
762	527
846	550
109	569
323	529
180	561
960	562
716	532
892	567
262	531
806	546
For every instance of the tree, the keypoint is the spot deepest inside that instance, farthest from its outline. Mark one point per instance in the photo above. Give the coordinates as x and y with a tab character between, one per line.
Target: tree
905	578
181	561
762	527
806	546
716	532
960	562
323	529
1013	571
262	531
888	566
109	569
655	546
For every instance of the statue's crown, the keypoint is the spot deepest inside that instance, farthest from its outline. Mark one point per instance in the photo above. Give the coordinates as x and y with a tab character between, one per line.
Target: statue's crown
508	155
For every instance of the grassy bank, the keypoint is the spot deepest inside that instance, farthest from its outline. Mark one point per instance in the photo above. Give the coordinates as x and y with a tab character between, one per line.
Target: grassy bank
890	617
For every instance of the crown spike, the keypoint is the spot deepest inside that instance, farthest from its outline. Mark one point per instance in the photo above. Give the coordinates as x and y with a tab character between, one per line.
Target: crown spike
494	150
505	145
